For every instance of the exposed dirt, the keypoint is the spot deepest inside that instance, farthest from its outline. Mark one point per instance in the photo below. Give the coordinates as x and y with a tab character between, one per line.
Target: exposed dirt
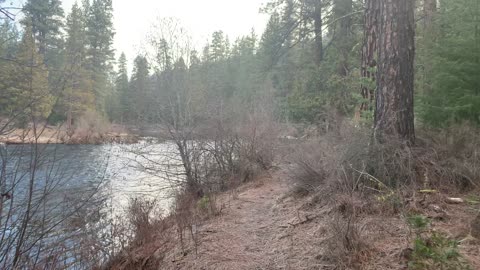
262	227
256	230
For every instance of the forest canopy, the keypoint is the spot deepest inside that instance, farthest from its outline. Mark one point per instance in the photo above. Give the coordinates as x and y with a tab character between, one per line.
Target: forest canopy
310	61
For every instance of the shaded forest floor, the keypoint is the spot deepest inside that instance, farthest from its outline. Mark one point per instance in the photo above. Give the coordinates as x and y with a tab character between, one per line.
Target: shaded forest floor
262	225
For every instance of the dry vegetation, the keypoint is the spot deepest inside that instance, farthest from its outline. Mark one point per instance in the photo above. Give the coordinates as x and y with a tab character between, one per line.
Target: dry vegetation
374	189
331	202
88	130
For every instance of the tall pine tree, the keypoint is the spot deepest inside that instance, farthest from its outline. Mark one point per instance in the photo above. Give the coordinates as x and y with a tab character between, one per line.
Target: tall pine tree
139	86
100	52
28	92
46	20
122	89
77	97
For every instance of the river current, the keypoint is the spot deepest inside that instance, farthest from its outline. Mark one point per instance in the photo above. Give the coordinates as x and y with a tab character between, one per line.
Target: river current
60	178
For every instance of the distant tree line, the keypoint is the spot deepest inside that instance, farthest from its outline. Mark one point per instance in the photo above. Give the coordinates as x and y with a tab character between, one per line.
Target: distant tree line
58	68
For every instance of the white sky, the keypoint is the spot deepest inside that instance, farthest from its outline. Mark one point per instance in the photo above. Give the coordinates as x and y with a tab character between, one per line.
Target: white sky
132	19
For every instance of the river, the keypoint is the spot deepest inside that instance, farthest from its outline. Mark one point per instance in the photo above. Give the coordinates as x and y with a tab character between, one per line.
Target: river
89	186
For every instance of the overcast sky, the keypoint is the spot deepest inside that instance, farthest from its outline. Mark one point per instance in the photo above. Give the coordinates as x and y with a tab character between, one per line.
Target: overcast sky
132	19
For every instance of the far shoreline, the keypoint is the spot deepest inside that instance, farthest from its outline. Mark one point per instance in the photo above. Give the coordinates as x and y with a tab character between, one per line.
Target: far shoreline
60	135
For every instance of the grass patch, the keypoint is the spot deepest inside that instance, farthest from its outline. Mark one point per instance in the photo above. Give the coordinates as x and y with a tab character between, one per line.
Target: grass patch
432	250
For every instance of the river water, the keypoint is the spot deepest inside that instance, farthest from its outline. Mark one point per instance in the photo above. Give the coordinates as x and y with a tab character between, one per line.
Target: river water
61	178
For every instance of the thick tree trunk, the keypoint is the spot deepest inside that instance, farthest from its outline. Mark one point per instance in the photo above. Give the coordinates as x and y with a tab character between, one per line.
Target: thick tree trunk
369	55
396	50
318	23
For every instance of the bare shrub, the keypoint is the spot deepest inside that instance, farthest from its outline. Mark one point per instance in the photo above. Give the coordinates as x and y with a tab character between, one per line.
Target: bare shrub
259	134
233	153
144	216
183	212
208	206
310	168
352	161
341	159
364	177
89	127
146	234
318	161
451	157
439	161
347	246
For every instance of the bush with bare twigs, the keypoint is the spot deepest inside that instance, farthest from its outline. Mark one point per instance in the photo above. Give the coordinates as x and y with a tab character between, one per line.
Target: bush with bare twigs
364	177
144	238
347	245
89	128
352	161
310	169
145	216
231	154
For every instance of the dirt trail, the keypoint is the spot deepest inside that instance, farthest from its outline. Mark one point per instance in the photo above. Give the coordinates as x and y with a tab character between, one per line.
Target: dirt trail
260	227
256	230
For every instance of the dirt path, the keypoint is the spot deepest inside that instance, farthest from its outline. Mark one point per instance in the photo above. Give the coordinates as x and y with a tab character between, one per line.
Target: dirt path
256	230
261	228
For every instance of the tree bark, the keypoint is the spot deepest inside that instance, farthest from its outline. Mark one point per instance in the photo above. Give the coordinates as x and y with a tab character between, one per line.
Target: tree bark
429	11
394	113
369	53
343	13
427	43
318	24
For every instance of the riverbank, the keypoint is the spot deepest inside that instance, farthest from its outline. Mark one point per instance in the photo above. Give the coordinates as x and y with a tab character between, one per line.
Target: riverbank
46	134
263	225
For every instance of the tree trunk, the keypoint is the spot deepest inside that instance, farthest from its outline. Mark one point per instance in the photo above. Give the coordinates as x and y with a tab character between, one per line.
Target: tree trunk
427	43
343	13
318	23
369	55
396	50
429	11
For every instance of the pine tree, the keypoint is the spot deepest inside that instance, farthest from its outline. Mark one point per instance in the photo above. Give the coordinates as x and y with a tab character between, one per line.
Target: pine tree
245	45
45	18
8	39
394	96
194	59
77	97
206	53
164	57
318	25
368	66
100	52
8	47
454	94
271	41
122	89
218	48
28	92
342	15
139	87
